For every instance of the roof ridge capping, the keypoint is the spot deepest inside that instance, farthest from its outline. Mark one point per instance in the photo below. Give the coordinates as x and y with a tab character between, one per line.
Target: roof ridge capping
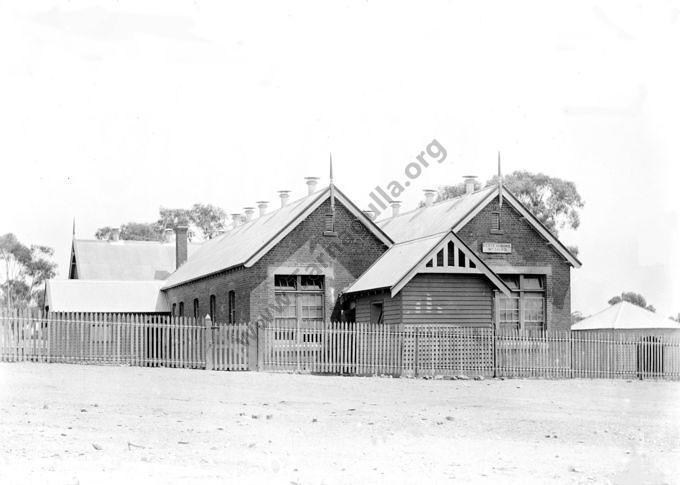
438	203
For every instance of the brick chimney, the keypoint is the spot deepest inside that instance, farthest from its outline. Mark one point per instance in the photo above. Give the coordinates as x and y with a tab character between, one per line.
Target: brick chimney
395	207
311	184
262	205
429	196
114	235
249	213
181	245
470	181
285	195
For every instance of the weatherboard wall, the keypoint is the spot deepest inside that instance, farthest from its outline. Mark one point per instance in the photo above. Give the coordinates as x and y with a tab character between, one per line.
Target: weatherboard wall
530	252
392	309
454	299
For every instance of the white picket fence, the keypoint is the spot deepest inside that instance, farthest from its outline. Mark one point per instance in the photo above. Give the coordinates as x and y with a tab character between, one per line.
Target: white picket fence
439	350
334	348
123	339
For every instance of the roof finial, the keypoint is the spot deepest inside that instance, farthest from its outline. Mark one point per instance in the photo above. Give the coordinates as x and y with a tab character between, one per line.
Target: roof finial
331	184
331	166
500	183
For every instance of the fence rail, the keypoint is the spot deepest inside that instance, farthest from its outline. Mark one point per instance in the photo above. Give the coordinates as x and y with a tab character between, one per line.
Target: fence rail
438	350
334	348
122	339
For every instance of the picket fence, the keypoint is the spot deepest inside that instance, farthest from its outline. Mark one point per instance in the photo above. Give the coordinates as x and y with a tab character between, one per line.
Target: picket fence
122	339
441	351
334	348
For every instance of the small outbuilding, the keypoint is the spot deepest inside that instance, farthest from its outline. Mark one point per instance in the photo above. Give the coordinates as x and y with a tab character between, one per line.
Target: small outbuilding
625	316
629	339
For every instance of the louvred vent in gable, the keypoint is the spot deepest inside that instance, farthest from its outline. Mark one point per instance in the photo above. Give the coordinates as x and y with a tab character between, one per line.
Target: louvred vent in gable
450	257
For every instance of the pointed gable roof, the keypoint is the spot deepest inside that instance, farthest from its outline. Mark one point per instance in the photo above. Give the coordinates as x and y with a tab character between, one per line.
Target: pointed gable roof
423	232
455	213
445	253
244	245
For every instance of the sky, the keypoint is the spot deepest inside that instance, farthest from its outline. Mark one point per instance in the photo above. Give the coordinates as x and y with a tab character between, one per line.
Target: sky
109	110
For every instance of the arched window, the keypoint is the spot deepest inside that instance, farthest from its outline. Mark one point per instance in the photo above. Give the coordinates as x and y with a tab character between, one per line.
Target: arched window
174	309
232	306
195	307
181	308
213	307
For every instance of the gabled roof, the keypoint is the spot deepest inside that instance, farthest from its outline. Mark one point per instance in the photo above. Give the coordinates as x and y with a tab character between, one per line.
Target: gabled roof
625	315
456	213
125	260
393	264
399	264
105	296
244	245
439	218
421	232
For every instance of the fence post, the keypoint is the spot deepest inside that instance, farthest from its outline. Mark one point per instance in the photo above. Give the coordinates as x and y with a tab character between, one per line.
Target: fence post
258	345
208	343
494	357
571	354
48	350
415	363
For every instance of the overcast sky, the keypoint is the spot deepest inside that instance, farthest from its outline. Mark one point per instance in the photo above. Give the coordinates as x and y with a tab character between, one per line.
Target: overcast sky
109	110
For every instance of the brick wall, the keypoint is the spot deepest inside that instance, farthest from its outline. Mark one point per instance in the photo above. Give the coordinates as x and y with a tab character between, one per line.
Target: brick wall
305	251
529	249
342	259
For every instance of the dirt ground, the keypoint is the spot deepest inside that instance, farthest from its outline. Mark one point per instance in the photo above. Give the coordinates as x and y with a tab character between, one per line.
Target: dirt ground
89	424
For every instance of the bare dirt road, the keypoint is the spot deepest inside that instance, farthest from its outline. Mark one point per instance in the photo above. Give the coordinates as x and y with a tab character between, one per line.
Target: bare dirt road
88	424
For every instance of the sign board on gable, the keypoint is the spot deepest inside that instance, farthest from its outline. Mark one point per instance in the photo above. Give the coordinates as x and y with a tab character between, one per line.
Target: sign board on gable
498	248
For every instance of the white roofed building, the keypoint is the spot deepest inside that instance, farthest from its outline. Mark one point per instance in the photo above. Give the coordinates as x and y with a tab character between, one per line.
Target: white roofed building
626	316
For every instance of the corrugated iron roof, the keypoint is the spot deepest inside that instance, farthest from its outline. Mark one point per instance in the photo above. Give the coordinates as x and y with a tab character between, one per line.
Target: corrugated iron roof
436	219
416	232
625	315
399	264
245	244
394	264
105	296
455	213
235	247
126	260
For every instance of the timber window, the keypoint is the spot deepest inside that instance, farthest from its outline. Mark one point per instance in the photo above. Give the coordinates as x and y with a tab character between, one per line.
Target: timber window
298	306
526	308
174	309
213	307
232	306
181	308
195	307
